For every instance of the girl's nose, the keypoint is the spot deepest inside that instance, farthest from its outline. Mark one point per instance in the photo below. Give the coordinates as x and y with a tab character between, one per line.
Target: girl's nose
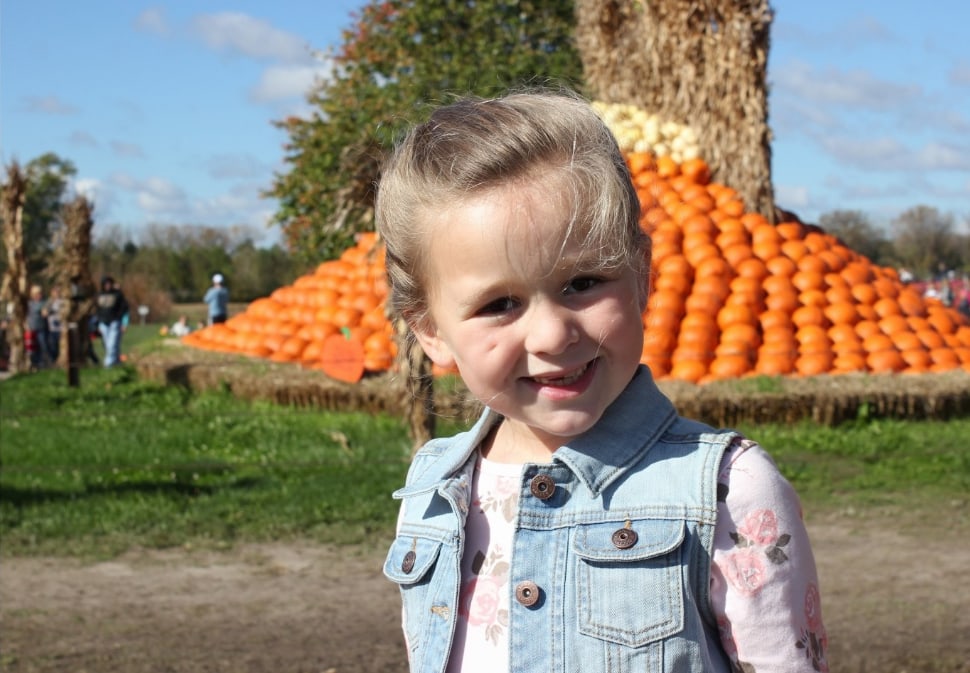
551	329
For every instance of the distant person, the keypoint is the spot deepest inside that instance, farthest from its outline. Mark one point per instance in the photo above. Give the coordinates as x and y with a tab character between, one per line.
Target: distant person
963	303
217	298
946	292
112	312
35	338
93	335
181	327
54	310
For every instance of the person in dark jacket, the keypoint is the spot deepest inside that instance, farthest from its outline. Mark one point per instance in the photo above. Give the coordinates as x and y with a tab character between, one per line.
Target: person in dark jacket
112	307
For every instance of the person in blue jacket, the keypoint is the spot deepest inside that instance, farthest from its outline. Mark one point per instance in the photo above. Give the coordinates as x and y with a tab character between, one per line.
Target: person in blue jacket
217	299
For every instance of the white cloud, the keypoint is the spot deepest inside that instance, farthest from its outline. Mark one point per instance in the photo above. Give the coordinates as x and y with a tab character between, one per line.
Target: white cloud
152	20
286	81
942	156
236	166
158	196
126	150
160	201
855	88
51	105
855	33
792	197
87	187
878	153
236	33
99	194
959	75
83	139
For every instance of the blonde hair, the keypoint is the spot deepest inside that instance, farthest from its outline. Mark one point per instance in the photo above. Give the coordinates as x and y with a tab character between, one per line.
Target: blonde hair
475	145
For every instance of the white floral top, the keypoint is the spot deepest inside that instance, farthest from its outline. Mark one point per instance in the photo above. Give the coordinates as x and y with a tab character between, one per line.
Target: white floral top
764	585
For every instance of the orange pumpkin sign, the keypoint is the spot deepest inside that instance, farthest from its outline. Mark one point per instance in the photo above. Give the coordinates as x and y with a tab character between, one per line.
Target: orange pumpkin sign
342	357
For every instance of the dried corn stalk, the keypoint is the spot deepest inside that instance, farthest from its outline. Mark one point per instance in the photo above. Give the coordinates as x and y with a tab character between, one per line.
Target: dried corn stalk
700	62
72	262
14	293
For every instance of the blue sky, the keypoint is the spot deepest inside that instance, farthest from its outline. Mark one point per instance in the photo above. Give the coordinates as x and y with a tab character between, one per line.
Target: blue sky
166	109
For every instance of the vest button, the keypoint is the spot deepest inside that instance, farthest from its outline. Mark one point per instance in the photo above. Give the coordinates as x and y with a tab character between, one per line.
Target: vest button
542	486
527	593
407	565
624	538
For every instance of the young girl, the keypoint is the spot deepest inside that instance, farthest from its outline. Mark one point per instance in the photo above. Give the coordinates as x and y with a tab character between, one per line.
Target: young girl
581	524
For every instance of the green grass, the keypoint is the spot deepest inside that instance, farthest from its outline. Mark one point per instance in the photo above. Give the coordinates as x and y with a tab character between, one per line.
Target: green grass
119	462
867	463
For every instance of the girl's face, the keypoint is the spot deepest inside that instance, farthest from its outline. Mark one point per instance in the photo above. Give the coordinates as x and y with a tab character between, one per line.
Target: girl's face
538	332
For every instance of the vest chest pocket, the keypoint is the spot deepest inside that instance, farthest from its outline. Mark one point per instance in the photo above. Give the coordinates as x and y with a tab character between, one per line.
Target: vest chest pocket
628	580
410	558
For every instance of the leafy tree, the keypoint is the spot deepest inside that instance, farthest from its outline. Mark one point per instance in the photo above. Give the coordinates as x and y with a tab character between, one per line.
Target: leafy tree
856	231
925	242
256	272
401	58
47	179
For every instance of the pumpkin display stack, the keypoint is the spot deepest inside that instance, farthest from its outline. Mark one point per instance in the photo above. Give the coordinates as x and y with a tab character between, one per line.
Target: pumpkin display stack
731	294
332	319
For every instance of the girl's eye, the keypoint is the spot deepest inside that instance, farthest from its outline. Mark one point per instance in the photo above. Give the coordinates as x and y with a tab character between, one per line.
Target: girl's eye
498	306
581	284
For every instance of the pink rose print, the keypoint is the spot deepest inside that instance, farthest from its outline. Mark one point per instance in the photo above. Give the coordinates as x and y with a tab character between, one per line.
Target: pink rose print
760	527
745	571
506	487
480	600
813	608
502	497
814	640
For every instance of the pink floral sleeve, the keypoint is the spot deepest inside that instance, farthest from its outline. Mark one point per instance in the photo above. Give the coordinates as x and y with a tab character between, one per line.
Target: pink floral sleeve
764	585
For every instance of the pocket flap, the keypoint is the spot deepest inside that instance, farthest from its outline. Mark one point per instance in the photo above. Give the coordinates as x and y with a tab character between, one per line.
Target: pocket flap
410	558
654	537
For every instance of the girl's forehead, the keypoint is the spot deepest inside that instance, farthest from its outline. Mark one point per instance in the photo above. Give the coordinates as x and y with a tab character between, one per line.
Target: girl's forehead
512	216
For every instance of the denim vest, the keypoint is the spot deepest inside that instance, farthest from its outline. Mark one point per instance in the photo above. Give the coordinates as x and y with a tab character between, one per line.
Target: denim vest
612	550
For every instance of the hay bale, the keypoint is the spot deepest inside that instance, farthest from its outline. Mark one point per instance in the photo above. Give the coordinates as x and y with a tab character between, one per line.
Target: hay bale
826	400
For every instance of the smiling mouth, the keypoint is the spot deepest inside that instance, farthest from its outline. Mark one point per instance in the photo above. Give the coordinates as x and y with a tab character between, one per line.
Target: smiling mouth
566	380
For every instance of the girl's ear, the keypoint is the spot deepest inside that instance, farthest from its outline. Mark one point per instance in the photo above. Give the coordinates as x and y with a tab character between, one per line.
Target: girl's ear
432	343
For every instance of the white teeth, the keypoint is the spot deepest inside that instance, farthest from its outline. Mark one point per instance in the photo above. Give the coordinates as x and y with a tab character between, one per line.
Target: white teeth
563	380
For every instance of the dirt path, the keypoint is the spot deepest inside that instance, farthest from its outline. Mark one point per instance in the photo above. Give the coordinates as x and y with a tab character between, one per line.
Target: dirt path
892	602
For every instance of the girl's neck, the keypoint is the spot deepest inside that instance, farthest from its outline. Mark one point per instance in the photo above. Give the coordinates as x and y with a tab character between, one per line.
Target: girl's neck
511	442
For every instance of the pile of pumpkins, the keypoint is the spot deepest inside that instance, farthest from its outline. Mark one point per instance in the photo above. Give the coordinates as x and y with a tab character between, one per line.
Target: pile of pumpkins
731	296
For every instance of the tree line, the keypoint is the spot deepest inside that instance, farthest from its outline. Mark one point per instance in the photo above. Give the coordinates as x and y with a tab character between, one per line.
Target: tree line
922	240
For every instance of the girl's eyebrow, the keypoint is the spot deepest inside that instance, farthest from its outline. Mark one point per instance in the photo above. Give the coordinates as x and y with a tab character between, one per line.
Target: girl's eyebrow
483	295
582	262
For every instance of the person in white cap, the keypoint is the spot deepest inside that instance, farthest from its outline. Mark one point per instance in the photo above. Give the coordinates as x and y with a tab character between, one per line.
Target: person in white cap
217	298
